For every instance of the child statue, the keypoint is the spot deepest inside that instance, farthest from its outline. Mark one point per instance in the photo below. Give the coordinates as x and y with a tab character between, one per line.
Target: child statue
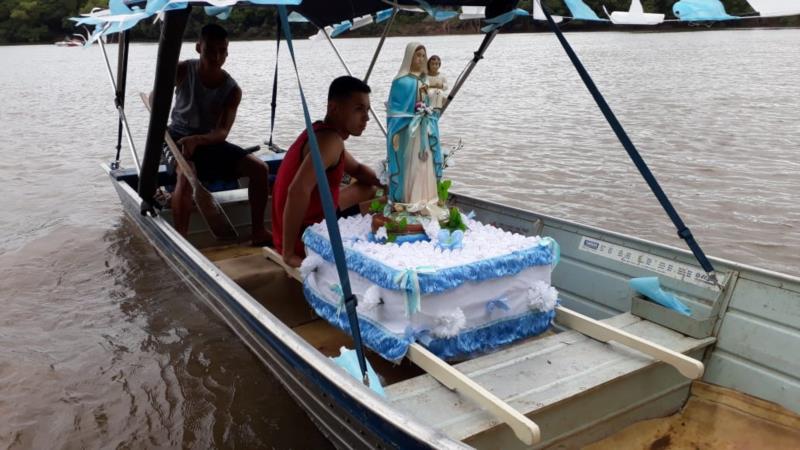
437	83
413	152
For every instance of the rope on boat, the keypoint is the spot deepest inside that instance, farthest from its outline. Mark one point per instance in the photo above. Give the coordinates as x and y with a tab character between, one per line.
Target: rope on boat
274	103
328	208
683	231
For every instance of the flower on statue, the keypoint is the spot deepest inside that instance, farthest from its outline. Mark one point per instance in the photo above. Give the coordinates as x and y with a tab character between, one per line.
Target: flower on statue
448	240
423	109
449	325
542	296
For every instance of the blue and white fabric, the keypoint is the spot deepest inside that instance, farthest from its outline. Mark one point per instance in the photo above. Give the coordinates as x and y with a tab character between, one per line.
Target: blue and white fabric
457	302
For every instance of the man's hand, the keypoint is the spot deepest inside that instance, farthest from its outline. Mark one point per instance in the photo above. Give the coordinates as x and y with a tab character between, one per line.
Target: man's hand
291	259
188	145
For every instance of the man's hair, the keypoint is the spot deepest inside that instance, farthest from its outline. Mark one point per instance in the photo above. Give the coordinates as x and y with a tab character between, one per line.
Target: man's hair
213	32
342	87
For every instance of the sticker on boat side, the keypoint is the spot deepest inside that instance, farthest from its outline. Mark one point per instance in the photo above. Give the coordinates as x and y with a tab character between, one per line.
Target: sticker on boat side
673	269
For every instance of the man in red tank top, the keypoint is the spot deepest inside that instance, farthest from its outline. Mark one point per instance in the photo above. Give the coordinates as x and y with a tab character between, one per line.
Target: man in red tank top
296	202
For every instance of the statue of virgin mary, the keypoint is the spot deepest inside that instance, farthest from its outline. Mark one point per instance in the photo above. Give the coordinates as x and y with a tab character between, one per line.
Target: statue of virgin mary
413	152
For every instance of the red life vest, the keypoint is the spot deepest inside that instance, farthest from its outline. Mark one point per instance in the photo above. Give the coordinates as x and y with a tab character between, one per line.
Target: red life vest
280	191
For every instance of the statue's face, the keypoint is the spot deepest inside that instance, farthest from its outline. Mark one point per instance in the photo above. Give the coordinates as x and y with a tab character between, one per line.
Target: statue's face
434	64
419	59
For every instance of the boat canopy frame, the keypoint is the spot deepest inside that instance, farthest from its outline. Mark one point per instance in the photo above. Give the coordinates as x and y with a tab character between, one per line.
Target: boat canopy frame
171	39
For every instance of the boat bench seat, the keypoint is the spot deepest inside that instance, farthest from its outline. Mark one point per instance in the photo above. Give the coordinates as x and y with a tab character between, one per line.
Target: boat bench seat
590	382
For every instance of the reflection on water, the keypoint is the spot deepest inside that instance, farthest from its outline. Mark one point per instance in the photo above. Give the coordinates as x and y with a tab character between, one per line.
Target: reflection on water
101	345
104	348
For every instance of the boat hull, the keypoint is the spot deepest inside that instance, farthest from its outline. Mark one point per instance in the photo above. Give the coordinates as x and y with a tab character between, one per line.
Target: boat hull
345	419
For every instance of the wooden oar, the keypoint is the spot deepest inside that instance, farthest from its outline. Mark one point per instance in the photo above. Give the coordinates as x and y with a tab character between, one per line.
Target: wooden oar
211	211
524	428
688	367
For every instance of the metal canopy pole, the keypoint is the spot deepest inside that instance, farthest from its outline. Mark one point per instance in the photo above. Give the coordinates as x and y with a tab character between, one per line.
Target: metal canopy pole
122	77
478	55
274	104
349	72
380	45
123	121
169	49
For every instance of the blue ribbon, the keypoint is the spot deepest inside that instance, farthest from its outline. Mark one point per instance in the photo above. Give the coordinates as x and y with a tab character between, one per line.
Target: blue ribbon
499	303
408	281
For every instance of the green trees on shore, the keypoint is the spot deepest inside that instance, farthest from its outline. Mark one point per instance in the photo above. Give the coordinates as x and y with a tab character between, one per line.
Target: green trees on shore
45	21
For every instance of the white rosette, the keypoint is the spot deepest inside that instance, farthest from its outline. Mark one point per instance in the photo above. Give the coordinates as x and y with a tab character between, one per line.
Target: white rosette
542	296
310	264
449	325
371	298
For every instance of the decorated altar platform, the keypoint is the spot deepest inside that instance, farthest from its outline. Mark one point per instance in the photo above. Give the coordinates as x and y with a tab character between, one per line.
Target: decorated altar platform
457	302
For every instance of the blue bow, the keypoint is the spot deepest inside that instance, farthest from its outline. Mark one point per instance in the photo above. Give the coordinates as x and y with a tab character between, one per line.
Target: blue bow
450	240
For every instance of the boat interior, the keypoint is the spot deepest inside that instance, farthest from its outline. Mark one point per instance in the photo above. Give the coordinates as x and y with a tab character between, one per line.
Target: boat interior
578	390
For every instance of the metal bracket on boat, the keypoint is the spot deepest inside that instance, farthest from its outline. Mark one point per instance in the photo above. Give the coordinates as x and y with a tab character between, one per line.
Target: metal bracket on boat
695	327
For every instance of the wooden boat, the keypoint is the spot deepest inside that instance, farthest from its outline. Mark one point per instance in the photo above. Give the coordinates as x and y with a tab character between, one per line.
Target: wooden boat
609	361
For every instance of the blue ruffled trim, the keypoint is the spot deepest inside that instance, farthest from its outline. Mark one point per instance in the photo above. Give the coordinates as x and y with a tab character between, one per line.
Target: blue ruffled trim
479	340
442	279
492	335
380	340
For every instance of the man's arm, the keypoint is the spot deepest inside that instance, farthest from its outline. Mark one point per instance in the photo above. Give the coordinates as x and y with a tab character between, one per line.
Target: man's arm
220	132
359	171
331	146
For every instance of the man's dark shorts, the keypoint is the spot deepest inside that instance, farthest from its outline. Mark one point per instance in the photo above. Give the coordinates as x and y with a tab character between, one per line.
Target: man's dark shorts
213	162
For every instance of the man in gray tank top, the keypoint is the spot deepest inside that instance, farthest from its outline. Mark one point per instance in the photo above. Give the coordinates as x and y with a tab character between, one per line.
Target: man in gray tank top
206	100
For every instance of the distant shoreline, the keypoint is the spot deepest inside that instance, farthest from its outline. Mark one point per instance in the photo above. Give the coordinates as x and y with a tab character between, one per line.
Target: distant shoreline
669	28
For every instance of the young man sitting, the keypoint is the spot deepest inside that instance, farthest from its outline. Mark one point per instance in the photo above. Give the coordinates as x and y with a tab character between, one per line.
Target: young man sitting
296	202
206	100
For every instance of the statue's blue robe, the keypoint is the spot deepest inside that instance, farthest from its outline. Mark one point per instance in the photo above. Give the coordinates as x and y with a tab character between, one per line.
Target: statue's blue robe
401	111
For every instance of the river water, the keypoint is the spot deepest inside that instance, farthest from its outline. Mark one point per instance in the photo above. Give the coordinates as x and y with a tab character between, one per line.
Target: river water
101	346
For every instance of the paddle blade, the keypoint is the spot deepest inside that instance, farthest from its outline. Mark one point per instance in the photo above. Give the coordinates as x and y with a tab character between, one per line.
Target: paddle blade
211	211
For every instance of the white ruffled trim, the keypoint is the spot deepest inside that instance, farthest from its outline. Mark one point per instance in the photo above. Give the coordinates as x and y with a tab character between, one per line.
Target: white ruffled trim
371	298
481	242
449	325
310	264
542	296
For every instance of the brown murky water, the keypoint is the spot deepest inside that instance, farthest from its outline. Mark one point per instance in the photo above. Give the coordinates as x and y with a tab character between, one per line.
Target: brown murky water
101	346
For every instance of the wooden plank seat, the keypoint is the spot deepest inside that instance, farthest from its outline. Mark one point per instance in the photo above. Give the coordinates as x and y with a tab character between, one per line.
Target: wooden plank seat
264	281
568	370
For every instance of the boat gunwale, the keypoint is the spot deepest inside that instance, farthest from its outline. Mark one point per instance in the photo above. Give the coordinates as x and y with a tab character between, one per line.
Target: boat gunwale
729	265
